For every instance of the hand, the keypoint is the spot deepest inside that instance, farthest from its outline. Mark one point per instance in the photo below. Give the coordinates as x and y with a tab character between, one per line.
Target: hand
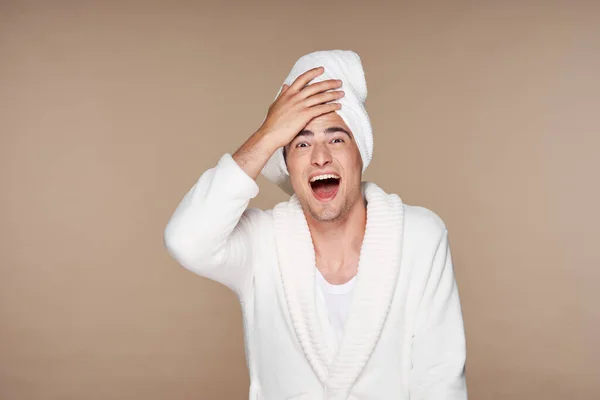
297	104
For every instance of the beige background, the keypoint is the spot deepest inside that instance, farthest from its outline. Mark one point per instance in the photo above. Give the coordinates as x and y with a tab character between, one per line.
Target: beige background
486	113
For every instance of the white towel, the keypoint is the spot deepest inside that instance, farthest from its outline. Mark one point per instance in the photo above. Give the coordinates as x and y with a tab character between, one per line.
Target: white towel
345	65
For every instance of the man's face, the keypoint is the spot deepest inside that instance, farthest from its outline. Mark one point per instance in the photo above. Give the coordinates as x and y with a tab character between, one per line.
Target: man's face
325	168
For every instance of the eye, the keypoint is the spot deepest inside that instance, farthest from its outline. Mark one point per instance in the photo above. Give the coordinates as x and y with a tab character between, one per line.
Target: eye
340	140
301	144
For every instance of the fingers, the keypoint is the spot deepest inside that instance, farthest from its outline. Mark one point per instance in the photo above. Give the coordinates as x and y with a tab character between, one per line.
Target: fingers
323	98
300	102
301	89
284	88
318	87
305	78
323	109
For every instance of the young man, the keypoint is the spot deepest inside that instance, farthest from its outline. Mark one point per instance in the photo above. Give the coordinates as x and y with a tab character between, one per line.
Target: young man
346	292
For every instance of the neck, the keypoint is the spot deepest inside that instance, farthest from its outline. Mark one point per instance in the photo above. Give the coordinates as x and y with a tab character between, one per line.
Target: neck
338	242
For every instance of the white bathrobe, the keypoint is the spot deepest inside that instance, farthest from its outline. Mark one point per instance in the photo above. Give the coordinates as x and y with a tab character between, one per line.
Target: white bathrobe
404	336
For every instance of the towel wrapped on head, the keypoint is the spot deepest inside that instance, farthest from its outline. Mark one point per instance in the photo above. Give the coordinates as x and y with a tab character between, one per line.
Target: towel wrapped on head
338	64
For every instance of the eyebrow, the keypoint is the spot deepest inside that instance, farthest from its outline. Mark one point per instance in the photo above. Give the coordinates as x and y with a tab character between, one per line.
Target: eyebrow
331	129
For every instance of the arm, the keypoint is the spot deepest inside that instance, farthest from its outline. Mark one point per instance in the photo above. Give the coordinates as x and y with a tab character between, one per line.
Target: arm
438	351
209	232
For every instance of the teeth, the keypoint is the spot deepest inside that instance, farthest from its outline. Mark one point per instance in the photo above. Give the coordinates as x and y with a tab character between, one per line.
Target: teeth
324	176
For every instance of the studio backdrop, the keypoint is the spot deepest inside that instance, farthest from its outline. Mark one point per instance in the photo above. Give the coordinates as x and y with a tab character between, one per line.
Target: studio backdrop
485	112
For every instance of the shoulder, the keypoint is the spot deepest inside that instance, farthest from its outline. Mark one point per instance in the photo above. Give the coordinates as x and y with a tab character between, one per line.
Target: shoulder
422	223
419	222
255	215
255	221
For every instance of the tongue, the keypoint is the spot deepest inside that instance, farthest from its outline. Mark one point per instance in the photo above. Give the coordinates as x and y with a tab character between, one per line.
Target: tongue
326	188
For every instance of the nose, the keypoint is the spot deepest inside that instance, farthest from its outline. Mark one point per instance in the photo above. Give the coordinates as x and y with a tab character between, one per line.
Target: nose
321	156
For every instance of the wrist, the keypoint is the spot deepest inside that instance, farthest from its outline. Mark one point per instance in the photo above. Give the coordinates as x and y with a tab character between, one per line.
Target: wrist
267	142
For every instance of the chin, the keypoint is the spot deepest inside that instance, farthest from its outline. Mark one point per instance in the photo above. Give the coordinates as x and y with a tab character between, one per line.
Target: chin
329	215
330	211
318	210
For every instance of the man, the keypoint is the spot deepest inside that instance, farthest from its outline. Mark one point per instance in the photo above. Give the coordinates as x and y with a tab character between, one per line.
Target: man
346	292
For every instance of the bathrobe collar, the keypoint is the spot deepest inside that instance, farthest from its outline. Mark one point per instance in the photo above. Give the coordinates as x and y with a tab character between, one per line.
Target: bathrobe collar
378	269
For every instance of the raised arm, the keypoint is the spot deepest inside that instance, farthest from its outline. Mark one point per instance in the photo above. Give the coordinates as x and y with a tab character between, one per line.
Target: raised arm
210	231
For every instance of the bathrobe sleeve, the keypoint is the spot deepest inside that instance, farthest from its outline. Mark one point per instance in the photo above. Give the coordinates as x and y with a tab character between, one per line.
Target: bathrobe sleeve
438	351
210	231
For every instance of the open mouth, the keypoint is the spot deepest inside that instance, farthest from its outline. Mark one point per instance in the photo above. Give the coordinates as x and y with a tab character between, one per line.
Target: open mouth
325	187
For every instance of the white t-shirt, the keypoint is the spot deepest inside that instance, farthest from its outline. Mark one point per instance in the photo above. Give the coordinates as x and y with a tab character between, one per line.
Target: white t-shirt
337	299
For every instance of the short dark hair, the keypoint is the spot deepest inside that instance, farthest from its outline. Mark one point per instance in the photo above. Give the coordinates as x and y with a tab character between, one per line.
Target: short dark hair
284	156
